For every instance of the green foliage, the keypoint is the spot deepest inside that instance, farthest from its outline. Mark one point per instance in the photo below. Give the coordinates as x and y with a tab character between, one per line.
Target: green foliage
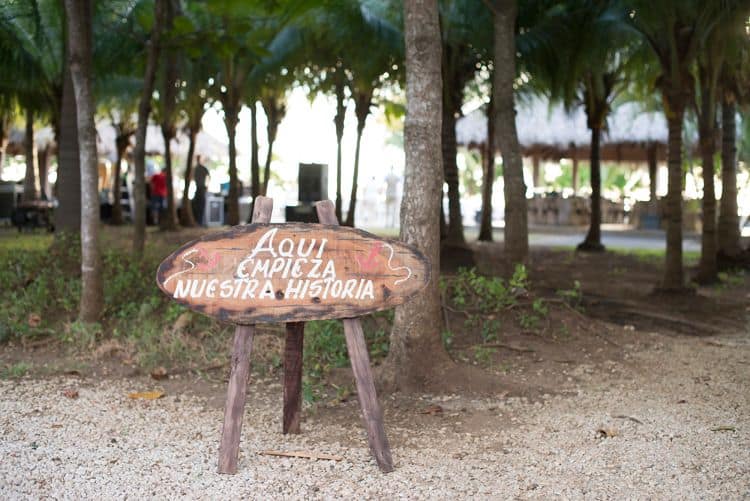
483	355
572	296
485	294
731	278
15	371
447	337
325	348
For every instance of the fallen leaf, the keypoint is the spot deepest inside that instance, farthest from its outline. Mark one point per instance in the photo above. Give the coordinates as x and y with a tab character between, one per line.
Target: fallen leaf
146	395
432	410
70	393
606	433
159	373
34	320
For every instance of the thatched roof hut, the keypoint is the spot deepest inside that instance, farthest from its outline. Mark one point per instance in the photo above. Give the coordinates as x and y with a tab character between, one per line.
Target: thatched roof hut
551	132
206	144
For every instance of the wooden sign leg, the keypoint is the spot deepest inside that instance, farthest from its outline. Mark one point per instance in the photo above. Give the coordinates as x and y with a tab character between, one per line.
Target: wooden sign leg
360	360
240	370
295	332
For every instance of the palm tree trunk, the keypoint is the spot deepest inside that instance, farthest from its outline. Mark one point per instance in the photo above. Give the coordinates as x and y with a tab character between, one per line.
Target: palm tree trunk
353	196
729	222
593	240
254	162
4	129
338	120
267	166
171	79
362	103
187	218
506	135
652	172
121	144
42	159
68	184
673	272
450	171
144	108
233	211
79	39
416	348
30	191
169	220
707	269
275	111
488	177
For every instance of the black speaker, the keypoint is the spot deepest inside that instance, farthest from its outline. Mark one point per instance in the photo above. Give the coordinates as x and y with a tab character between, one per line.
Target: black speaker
313	183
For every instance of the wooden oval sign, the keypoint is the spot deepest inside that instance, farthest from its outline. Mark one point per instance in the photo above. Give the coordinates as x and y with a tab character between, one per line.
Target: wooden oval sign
292	272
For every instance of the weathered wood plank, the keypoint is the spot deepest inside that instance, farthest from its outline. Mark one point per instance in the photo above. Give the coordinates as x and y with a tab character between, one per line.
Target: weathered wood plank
360	360
295	332
240	371
292	272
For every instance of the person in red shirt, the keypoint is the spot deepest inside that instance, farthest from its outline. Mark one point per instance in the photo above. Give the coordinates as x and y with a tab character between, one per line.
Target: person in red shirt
158	195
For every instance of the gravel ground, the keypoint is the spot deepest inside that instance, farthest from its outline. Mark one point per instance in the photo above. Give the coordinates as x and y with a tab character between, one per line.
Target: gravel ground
689	438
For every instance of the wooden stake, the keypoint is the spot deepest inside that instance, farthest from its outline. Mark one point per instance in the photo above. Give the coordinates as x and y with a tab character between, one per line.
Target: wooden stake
360	360
293	376
240	370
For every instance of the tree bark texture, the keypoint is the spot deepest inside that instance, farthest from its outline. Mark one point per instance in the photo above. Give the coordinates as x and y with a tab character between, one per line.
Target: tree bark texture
506	135
168	220
30	189
673	272
455	234
42	160
144	109
593	240
68	185
729	221
707	268
80	30
416	346
488	177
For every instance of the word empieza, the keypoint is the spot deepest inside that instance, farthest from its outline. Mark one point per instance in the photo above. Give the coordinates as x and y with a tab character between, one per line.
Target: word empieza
303	269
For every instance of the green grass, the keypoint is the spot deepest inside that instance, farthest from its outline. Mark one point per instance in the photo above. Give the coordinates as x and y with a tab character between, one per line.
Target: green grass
653	256
39	298
14	371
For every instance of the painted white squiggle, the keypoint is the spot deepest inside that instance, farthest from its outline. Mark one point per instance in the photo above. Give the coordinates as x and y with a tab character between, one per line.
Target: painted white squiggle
397	267
184	258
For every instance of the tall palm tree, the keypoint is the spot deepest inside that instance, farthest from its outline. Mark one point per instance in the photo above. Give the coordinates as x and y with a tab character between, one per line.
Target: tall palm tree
592	50
675	30
416	347
710	60
462	26
735	75
80	31
506	136
144	110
